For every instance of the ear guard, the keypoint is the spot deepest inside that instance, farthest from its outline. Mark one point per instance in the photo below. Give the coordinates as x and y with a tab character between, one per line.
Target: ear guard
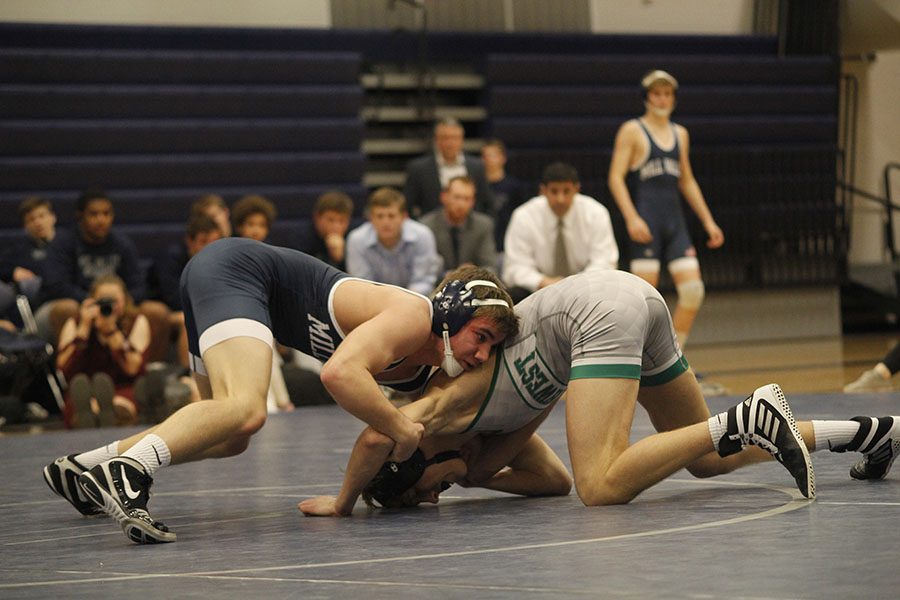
455	304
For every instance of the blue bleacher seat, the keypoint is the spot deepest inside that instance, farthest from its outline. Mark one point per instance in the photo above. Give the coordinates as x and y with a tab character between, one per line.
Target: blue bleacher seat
40	101
169	136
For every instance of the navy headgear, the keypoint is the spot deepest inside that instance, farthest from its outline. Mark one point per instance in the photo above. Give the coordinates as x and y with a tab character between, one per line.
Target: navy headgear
393	479
455	304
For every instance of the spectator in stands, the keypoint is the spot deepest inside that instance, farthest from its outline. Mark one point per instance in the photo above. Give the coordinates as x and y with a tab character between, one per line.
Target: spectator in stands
392	248
328	236
102	351
22	263
508	191
213	206
878	378
559	233
74	261
463	236
653	153
252	217
427	175
201	230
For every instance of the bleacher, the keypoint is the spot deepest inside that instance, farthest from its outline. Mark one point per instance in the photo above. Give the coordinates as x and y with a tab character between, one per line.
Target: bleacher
158	128
161	115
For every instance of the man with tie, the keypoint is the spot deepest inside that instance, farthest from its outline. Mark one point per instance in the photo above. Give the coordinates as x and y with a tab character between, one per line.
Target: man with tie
559	233
463	236
427	175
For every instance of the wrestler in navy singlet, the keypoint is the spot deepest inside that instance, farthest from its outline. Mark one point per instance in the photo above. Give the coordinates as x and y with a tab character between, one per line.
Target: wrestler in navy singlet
240	287
653	186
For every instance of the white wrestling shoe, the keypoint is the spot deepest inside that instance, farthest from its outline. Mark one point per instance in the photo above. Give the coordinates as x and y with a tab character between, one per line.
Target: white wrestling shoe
765	420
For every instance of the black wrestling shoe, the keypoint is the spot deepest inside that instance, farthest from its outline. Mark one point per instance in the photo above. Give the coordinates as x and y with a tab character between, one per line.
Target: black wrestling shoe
878	439
765	420
62	477
121	488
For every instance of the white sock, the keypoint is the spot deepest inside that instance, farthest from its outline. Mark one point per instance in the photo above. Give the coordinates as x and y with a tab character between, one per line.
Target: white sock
92	458
682	338
718	425
833	433
152	452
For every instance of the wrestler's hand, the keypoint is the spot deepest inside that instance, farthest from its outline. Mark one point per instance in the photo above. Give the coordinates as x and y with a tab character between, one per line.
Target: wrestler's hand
320	506
404	448
639	231
716	237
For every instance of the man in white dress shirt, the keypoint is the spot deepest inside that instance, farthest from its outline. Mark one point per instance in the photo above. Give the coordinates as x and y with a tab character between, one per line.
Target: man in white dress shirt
559	233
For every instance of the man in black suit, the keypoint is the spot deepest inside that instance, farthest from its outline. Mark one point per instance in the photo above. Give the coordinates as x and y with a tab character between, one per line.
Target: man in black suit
427	175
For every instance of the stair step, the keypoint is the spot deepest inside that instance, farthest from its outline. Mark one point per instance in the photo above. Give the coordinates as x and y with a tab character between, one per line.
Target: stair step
399	114
410	81
384	178
412	146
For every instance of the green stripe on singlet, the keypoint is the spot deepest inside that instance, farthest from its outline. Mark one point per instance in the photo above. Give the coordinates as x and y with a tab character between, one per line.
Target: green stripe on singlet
606	372
680	366
630	372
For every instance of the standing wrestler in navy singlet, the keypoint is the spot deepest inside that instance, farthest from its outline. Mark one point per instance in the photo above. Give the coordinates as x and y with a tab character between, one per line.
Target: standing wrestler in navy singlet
649	172
240	296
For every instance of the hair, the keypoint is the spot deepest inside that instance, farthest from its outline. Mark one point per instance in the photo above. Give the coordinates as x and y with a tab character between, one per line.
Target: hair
495	143
448	122
386	197
336	201
559	171
204	202
32	203
250	205
130	311
197	224
464	179
90	194
504	317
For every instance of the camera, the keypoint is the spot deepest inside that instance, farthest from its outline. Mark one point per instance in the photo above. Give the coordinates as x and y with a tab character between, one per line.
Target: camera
106	305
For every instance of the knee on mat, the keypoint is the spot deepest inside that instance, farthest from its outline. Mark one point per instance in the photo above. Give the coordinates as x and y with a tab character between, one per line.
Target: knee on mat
691	294
601	494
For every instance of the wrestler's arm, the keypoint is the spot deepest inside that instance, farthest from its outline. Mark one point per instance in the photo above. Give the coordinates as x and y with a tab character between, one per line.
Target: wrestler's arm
626	146
446	407
690	189
535	471
519	462
349	375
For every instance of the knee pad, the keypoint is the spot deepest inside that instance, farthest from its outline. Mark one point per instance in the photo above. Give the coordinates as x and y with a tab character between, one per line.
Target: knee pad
684	264
691	293
644	265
